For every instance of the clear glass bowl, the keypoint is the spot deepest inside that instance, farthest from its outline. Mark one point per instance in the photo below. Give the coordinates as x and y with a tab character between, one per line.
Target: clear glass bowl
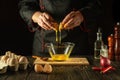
60	52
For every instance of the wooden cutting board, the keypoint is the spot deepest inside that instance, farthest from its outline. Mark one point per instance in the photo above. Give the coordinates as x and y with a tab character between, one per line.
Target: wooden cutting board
70	61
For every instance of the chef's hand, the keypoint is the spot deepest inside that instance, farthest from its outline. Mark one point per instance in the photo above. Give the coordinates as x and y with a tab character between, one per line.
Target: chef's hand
73	19
44	20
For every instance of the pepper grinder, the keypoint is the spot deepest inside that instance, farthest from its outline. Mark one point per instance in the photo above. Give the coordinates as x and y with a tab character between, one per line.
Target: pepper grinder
117	41
111	47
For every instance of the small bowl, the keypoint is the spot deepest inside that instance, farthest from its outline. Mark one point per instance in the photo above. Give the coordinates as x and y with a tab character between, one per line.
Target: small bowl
60	52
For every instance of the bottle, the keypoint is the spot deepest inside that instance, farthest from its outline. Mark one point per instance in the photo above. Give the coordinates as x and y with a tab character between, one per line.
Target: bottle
98	44
117	41
111	47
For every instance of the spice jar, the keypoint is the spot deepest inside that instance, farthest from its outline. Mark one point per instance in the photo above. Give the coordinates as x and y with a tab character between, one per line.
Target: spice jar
111	47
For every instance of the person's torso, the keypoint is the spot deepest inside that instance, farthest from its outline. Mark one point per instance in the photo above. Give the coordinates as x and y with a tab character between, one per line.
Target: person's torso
58	9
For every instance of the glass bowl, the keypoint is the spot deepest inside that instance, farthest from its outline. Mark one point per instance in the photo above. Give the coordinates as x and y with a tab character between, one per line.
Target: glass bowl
60	52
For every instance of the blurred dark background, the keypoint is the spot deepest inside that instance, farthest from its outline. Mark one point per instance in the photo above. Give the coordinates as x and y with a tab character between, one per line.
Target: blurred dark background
15	37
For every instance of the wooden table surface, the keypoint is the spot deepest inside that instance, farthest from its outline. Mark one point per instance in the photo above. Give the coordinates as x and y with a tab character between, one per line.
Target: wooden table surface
83	72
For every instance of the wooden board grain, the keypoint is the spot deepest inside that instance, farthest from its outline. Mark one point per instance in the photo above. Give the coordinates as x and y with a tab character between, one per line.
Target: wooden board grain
70	61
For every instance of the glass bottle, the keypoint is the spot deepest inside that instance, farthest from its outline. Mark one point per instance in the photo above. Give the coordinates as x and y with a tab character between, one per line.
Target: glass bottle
98	44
